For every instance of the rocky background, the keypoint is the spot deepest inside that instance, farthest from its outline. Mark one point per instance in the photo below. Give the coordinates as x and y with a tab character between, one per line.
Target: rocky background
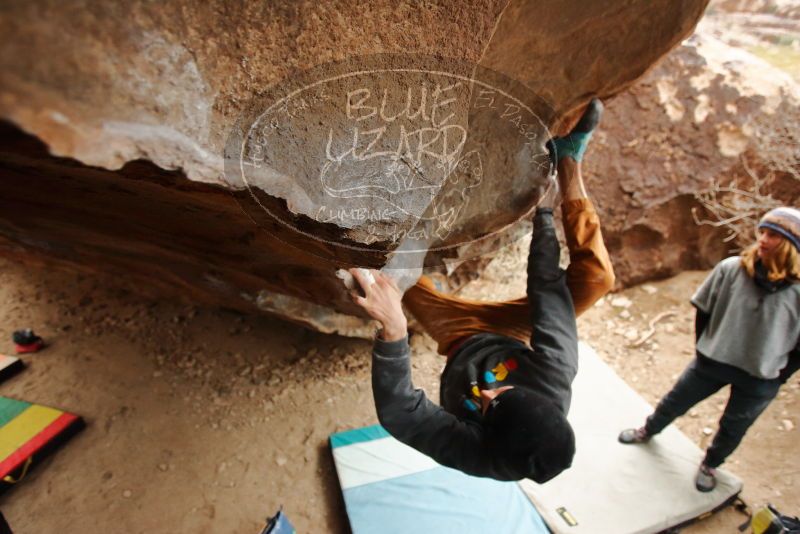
117	116
111	151
222	417
721	104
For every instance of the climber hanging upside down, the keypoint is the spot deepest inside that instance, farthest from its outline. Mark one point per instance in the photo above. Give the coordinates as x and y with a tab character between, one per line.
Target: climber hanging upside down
506	389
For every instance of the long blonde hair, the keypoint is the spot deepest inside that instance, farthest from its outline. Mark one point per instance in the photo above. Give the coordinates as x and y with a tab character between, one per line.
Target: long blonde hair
783	263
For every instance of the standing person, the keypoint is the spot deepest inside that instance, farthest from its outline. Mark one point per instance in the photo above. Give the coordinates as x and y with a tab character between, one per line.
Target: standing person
748	336
506	389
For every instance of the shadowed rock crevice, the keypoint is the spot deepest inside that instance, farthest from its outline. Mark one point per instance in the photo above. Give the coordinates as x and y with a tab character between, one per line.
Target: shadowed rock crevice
160	230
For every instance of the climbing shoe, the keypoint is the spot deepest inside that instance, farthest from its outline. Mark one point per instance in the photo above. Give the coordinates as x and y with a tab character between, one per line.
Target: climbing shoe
575	143
26	341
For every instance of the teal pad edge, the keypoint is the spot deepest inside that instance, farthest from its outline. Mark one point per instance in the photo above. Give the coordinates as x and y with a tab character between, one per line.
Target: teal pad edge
358	435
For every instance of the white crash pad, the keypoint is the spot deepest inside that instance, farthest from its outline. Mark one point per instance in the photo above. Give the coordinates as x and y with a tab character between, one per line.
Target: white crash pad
616	488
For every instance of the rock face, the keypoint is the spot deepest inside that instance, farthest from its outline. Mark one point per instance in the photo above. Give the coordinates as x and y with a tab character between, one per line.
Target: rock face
241	152
695	120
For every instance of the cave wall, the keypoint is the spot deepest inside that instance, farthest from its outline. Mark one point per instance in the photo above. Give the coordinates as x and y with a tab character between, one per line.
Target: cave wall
164	234
120	116
700	118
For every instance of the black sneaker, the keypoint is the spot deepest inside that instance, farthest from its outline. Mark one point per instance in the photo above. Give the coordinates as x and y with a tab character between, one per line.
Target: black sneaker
590	118
706	478
633	435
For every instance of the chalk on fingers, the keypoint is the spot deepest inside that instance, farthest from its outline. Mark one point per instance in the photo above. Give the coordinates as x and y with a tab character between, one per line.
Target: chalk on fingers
350	282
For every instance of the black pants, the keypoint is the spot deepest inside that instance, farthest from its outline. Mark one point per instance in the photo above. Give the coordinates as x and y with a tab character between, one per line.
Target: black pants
749	397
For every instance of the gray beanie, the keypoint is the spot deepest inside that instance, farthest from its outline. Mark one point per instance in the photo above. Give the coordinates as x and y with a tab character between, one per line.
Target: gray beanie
785	221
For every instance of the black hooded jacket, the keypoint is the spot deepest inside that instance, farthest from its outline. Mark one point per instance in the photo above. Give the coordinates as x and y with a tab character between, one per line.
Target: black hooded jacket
454	434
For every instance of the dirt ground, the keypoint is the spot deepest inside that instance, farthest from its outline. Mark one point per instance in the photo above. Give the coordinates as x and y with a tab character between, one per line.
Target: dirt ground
203	420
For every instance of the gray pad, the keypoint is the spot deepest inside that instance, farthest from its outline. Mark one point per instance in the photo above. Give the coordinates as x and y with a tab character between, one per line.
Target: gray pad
619	488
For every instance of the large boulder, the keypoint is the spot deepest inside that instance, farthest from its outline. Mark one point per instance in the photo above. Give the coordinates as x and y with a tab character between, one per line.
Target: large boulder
240	152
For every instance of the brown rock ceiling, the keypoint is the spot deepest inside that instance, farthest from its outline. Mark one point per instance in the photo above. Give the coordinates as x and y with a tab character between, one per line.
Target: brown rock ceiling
135	101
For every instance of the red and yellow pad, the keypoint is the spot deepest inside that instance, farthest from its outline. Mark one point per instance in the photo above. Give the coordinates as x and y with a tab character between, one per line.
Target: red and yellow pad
28	429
